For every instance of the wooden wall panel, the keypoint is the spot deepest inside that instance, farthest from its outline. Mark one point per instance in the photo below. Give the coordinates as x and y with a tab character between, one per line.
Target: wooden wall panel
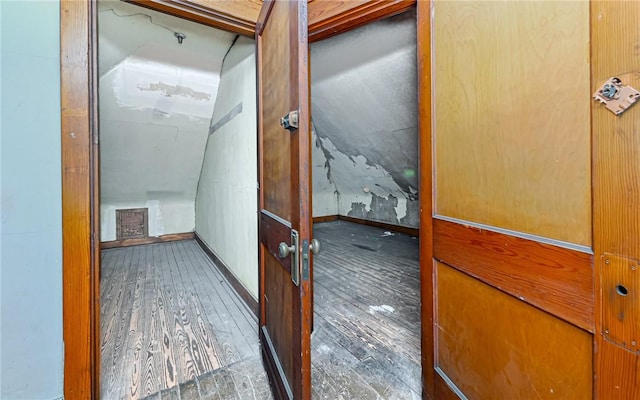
512	98
615	49
538	355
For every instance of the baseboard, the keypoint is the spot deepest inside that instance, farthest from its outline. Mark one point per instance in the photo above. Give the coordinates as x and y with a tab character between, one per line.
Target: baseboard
235	283
382	225
173	237
326	218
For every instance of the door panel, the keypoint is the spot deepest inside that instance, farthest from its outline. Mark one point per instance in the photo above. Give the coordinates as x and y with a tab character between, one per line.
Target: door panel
512	286
537	353
512	137
285	288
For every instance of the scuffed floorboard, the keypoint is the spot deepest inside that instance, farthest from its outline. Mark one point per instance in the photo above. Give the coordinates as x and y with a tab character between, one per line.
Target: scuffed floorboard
366	340
172	326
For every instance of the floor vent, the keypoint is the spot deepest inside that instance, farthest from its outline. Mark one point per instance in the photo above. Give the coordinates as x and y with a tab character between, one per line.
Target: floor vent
132	223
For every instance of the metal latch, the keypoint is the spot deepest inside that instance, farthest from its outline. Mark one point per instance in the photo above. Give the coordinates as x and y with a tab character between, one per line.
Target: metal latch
290	121
284	251
616	97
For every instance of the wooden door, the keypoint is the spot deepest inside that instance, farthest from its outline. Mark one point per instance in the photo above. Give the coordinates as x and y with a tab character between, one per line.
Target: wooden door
285	205
509	293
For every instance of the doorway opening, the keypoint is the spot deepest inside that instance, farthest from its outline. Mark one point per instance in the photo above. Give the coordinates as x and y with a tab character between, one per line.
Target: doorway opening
177	205
366	279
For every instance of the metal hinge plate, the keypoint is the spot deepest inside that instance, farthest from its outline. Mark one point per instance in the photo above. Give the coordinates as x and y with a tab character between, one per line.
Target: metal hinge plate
616	97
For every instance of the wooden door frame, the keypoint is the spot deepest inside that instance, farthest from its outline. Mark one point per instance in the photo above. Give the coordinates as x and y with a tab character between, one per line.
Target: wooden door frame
80	158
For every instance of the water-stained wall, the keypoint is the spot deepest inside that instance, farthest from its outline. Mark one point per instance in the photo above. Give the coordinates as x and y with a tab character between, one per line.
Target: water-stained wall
365	114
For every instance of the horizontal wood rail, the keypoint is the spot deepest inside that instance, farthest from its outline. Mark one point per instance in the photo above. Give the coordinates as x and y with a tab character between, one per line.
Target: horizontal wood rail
555	279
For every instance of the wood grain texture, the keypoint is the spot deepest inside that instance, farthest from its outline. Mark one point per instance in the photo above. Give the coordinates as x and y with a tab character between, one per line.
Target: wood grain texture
615	40
168	317
79	283
286	310
331	17
172	237
425	95
512	146
538	355
555	279
230	15
276	102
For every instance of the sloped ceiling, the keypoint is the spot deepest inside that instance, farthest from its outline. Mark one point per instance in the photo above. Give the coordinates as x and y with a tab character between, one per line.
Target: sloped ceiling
364	109
156	102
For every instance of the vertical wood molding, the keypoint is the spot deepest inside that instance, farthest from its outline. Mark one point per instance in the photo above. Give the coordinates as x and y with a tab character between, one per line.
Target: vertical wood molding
616	193
81	364
426	198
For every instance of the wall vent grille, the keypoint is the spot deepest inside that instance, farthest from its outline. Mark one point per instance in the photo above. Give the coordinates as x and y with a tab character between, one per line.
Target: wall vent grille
132	223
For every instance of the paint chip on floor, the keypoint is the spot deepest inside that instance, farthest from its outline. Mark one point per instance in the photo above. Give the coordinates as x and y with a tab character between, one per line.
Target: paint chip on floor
385	309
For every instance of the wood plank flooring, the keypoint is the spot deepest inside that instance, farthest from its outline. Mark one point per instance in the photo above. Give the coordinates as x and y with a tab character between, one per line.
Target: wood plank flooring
173	328
366	339
169	319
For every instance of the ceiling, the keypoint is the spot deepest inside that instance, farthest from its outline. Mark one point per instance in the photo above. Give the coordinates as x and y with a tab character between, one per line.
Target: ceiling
156	101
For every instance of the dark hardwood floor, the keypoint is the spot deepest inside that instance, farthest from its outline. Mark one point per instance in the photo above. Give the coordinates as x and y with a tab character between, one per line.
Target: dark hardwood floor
173	328
366	339
170	320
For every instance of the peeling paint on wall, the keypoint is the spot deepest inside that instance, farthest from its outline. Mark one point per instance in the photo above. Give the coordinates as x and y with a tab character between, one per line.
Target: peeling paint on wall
362	189
364	99
175	90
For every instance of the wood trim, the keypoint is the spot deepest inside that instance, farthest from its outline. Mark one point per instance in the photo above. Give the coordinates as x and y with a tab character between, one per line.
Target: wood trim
94	174
554	279
330	18
248	299
426	199
265	11
382	225
325	218
442	389
200	14
79	204
616	205
277	385
301	194
172	237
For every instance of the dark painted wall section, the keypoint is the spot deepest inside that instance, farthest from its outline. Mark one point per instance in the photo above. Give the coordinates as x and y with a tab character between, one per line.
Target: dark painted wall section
364	106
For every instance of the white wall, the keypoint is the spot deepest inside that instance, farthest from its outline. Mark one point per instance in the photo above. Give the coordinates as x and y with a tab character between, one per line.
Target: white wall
226	202
156	101
31	349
